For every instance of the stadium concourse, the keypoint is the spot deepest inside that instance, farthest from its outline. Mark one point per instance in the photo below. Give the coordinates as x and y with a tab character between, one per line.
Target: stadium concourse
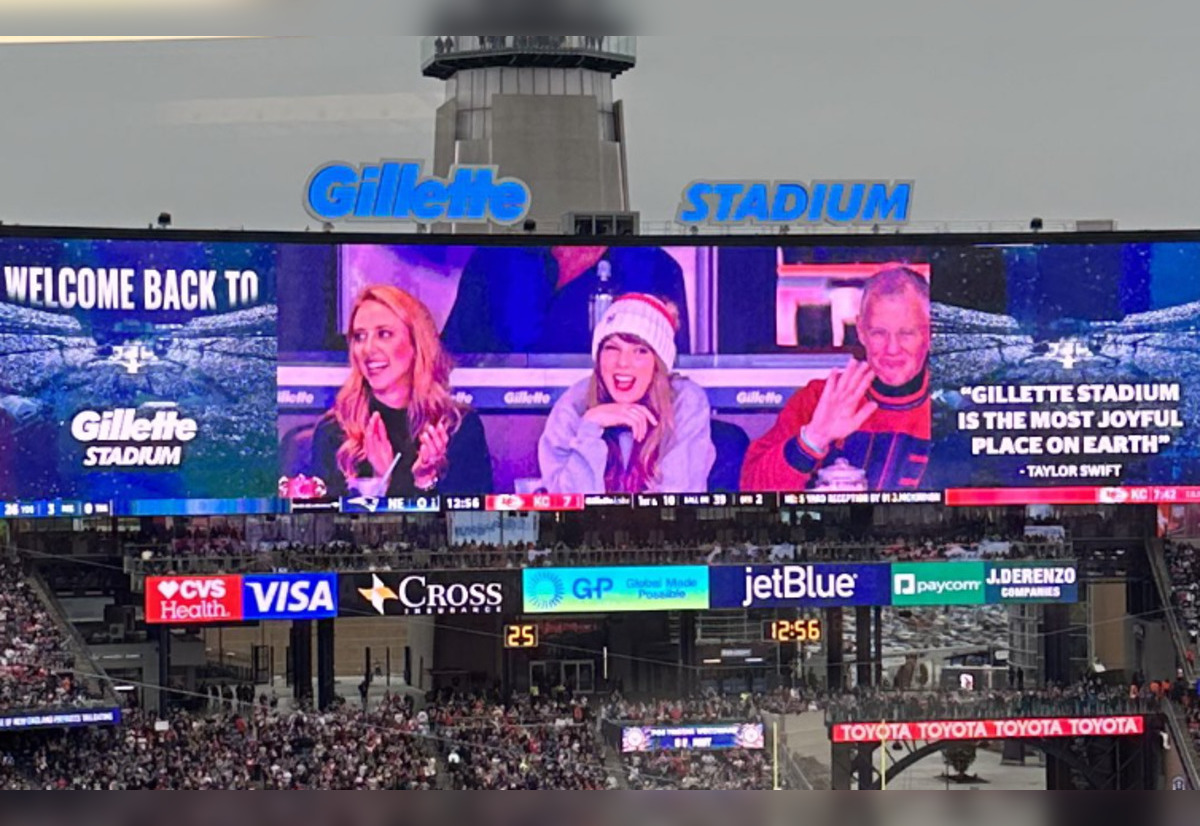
223	732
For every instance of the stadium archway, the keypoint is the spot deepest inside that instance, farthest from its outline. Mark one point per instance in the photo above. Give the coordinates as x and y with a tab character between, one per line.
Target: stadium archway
1099	764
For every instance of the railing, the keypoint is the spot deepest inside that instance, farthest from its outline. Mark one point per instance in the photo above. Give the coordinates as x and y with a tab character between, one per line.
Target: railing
1162	578
925	707
452	46
1184	744
911	228
477	559
87	669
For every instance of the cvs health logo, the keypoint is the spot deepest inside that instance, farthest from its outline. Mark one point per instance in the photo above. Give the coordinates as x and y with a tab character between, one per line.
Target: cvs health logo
193	600
290	596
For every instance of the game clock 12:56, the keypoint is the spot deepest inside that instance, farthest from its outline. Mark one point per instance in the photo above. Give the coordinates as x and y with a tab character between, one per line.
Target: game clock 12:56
792	630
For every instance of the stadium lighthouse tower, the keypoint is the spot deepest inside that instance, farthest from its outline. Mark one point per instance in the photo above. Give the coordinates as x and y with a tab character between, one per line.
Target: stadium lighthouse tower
541	109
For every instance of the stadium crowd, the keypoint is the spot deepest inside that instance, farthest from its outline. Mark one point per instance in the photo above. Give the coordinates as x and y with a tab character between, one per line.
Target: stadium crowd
737	770
1086	698
227	556
1183	566
527	745
262	749
36	670
473	742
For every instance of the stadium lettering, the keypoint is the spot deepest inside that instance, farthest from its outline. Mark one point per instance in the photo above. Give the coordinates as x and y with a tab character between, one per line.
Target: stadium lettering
394	191
758	202
161	456
68	289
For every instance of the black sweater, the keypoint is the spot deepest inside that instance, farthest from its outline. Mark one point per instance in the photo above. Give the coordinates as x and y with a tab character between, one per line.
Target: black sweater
470	461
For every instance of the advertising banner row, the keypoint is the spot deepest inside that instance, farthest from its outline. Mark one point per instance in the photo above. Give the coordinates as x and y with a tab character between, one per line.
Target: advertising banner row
257	597
206	373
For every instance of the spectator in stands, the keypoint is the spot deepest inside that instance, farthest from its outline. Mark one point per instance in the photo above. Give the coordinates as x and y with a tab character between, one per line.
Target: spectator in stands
35	667
632	426
395	429
867	426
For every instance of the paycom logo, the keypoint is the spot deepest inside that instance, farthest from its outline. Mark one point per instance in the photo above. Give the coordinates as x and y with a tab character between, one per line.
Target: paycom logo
594	590
938	583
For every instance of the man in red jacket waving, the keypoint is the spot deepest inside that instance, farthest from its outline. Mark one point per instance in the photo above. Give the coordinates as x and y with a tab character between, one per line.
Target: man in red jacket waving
873	416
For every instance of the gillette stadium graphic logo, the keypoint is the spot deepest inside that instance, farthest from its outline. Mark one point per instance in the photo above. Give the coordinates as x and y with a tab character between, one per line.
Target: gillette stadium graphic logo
122	438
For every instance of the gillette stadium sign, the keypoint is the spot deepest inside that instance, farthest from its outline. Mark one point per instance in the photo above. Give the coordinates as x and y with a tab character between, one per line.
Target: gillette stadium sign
839	203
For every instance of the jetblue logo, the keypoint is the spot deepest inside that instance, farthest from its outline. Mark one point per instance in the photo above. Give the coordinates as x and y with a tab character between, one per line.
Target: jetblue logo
396	191
290	597
800	586
833	202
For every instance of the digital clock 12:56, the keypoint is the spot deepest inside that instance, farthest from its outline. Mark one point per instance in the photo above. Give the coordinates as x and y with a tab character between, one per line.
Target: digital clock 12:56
793	630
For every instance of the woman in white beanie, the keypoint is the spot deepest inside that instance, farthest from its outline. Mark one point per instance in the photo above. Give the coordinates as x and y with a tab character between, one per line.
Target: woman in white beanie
632	426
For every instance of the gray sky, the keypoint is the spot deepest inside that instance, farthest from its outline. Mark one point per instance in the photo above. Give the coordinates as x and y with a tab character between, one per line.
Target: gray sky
1094	119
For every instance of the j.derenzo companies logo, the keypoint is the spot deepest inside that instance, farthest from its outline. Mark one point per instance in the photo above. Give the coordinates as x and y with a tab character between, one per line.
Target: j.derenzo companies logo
544	591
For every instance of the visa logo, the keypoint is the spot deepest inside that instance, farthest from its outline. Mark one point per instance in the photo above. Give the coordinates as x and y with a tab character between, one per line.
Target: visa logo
396	191
312	596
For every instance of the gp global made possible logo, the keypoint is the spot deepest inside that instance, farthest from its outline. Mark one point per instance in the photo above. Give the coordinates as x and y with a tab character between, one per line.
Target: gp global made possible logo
545	591
193	600
396	191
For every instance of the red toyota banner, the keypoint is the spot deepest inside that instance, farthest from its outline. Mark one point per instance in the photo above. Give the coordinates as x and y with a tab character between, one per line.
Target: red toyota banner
933	730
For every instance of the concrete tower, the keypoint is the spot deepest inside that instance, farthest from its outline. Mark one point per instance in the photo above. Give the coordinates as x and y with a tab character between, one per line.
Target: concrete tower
542	110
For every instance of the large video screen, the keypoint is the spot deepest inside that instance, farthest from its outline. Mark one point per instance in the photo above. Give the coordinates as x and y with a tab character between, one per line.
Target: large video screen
137	371
240	372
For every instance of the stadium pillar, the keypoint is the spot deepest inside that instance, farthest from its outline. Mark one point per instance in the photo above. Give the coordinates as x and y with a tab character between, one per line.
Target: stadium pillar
833	649
878	614
326	682
1056	626
300	649
164	669
687	652
863	644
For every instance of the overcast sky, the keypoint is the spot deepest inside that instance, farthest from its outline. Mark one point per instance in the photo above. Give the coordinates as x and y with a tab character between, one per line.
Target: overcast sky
1095	119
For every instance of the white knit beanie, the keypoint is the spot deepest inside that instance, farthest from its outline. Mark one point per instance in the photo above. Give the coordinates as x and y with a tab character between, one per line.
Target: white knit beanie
641	315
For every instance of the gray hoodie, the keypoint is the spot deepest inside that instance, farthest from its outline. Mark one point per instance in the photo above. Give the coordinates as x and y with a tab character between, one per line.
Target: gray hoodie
572	452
